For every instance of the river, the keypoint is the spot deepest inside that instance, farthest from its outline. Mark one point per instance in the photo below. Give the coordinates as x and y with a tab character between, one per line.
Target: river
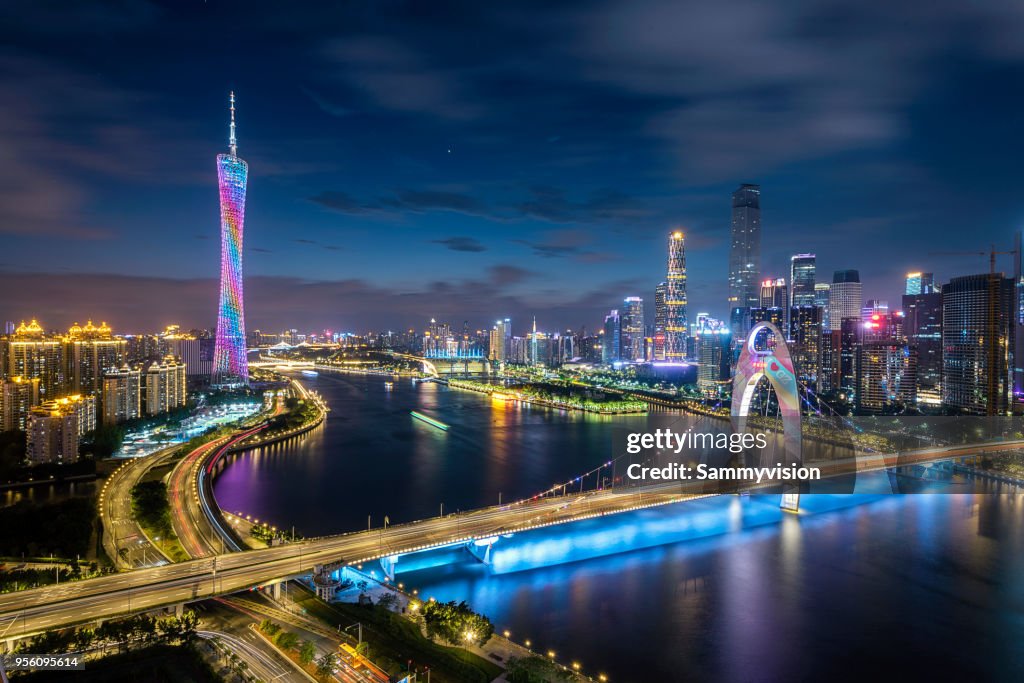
724	589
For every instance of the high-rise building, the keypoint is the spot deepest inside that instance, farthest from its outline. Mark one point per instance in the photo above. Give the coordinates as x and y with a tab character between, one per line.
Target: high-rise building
675	298
923	329
52	436
122	395
805	342
847	357
660	320
713	359
887	375
633	328
91	352
55	428
165	386
801	279
195	352
611	351
745	249
874	307
822	290
978	342
31	354
920	283
774	293
845	297
18	395
230	363
499	338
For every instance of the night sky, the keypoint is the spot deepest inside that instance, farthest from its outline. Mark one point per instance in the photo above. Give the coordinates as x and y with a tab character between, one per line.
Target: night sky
472	160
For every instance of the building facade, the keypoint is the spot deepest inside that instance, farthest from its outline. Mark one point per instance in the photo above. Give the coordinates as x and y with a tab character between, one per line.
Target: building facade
978	339
675	299
802	269
845	298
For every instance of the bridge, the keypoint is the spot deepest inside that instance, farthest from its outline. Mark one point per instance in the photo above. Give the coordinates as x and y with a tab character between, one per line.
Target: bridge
33	611
30	612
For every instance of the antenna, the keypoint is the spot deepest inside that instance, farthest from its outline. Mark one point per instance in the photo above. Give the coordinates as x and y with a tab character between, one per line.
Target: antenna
232	142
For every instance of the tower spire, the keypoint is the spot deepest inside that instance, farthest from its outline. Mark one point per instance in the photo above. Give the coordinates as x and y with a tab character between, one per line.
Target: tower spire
232	142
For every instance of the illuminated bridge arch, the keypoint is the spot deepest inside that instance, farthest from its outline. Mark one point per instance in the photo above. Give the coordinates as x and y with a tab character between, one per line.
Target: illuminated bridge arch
776	366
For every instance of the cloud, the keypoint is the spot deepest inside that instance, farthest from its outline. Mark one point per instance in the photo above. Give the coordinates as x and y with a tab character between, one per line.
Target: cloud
325	105
566	243
398	78
504	275
549	204
314	243
274	302
340	202
468	244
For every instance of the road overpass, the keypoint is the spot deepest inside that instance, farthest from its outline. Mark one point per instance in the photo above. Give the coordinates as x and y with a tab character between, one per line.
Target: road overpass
29	612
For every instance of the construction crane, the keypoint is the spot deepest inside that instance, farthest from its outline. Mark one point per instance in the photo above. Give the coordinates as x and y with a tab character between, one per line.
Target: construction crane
991	340
991	253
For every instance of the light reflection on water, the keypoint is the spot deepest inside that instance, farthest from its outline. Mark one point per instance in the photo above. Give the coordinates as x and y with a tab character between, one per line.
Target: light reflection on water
857	585
731	589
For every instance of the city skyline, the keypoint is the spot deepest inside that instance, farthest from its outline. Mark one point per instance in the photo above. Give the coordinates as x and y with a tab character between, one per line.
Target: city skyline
475	196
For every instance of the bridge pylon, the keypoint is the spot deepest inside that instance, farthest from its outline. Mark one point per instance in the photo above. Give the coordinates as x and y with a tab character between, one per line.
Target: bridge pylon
775	366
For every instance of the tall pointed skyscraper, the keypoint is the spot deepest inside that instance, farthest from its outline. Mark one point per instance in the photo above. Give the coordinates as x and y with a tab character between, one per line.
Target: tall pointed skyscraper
230	364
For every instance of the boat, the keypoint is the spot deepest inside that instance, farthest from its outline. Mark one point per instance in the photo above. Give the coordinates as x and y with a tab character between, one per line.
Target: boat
310	373
429	420
389	385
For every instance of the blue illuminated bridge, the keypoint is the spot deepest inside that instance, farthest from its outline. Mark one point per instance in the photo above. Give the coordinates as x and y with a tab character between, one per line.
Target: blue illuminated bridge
29	612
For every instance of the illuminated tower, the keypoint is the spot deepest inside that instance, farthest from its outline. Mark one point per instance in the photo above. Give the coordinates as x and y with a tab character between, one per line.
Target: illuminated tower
675	299
230	365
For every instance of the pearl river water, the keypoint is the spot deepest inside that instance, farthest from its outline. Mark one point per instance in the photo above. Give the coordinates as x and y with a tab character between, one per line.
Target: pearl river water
729	588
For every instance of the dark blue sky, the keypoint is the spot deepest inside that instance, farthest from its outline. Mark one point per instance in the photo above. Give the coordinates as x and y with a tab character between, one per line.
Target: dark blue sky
474	160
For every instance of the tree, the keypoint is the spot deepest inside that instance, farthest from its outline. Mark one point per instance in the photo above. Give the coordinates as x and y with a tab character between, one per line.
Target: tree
325	665
456	623
388	601
307	652
286	640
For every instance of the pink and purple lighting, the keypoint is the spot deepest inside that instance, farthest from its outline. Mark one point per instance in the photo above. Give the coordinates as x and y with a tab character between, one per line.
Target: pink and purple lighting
230	364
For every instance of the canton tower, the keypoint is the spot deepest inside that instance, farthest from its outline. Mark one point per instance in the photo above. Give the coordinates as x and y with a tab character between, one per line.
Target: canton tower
230	364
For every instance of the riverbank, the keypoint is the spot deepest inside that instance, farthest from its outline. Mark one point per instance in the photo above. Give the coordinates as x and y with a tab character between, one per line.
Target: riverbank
503	393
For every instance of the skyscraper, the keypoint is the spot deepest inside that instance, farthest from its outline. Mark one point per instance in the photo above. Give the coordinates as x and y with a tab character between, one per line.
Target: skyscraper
920	283
611	350
122	392
773	293
923	329
745	250
978	342
230	364
801	279
822	292
660	316
845	297
633	329
500	337
675	298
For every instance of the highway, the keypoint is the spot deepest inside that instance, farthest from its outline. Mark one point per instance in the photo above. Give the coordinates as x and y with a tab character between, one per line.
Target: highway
36	610
121	533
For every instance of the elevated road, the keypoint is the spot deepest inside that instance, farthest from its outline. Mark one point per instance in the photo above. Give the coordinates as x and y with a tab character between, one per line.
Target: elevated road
123	539
33	611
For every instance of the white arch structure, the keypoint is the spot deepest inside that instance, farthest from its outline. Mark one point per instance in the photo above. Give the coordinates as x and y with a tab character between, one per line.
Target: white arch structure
776	366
